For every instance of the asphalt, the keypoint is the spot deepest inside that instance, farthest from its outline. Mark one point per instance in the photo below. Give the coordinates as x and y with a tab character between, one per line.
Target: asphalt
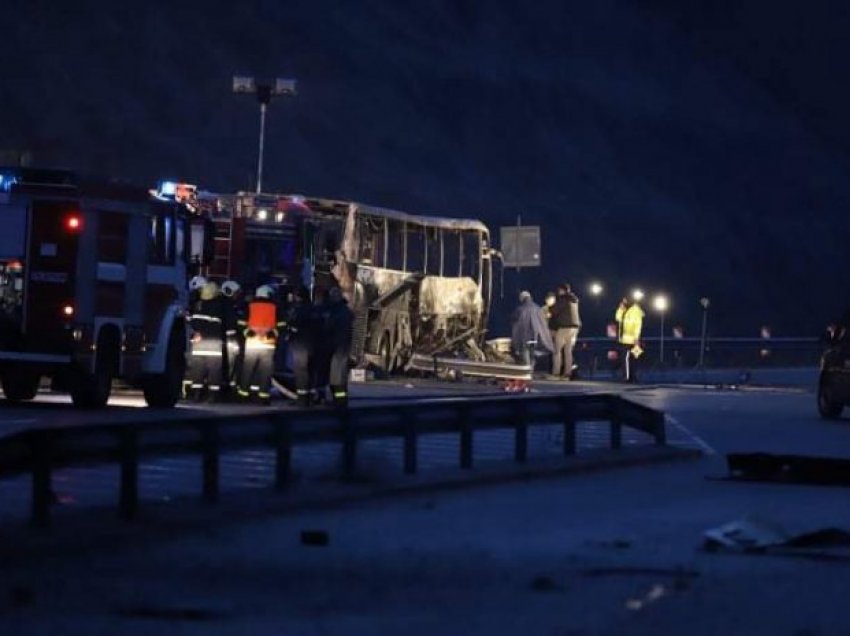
602	544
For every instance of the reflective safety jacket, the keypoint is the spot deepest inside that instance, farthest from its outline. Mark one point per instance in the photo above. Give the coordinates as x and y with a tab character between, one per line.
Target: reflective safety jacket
631	323
261	323
207	328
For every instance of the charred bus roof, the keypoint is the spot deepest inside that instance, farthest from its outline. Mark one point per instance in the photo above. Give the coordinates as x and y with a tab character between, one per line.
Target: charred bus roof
341	207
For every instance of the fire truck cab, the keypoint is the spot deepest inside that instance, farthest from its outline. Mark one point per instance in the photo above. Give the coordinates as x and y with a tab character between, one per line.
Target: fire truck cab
93	287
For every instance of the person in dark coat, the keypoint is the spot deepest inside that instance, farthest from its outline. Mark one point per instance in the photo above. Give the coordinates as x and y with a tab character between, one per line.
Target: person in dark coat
234	311
564	323
302	326
529	330
321	348
338	337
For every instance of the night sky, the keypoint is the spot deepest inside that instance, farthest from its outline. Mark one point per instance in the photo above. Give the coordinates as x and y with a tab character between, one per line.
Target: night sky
695	148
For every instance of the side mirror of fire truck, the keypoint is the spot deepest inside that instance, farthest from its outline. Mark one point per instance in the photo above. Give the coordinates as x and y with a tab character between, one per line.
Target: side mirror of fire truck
201	242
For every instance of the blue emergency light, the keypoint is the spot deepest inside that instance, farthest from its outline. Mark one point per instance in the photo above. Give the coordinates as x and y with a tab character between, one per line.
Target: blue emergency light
167	188
7	180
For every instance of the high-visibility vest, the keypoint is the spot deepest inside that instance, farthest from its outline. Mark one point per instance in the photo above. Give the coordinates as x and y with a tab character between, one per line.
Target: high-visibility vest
262	316
631	322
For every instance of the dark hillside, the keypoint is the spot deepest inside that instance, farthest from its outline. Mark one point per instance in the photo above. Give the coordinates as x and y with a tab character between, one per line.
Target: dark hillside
648	156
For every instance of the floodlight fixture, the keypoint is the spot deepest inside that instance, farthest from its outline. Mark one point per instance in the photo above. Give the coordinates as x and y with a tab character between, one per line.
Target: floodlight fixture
264	90
243	84
284	86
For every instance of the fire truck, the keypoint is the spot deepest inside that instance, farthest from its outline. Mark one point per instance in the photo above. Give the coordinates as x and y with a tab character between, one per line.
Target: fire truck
93	286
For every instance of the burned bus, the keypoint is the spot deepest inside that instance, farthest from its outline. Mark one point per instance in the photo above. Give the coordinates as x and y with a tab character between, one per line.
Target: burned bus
419	286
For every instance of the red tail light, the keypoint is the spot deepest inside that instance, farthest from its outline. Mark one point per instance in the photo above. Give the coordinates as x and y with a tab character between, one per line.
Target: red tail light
74	222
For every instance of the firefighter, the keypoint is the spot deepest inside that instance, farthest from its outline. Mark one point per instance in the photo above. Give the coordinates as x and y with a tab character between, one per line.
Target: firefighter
205	363
196	284
322	348
234	309
338	336
302	323
629	317
260	329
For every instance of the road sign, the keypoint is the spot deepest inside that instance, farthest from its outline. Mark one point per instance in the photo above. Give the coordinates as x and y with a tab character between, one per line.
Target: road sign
520	245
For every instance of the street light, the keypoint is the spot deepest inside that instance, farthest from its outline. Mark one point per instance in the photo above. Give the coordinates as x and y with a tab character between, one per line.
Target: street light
637	295
264	92
595	288
661	304
705	302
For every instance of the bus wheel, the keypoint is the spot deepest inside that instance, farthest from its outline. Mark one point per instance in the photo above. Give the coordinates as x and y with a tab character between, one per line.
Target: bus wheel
163	389
90	390
386	355
20	387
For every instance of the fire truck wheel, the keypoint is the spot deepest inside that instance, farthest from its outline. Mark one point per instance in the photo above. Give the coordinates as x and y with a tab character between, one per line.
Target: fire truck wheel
19	388
163	390
90	390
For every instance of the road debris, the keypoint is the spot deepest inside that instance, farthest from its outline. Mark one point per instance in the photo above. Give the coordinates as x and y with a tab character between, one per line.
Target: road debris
678	573
545	583
317	538
797	469
759	536
655	593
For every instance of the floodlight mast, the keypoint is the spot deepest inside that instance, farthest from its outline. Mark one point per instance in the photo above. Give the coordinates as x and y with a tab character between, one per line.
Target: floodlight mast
264	92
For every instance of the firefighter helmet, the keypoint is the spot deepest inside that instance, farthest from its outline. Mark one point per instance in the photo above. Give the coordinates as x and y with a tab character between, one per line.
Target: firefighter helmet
264	291
230	288
197	282
209	291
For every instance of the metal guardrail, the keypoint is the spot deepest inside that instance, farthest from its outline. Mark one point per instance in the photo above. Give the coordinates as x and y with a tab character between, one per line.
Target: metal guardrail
39	452
720	352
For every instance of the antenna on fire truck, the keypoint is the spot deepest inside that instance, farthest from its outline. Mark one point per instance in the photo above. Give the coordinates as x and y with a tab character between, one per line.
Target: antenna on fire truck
264	92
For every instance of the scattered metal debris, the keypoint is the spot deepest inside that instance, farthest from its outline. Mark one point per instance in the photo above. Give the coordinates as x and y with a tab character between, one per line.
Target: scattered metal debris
759	536
545	583
318	538
174	613
641	571
616	544
798	469
750	534
655	593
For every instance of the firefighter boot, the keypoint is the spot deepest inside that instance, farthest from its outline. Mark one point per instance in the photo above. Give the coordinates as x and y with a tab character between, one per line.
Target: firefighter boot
318	396
340	397
303	398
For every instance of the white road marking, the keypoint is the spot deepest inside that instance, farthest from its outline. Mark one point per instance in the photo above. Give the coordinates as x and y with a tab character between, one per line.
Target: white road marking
706	448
